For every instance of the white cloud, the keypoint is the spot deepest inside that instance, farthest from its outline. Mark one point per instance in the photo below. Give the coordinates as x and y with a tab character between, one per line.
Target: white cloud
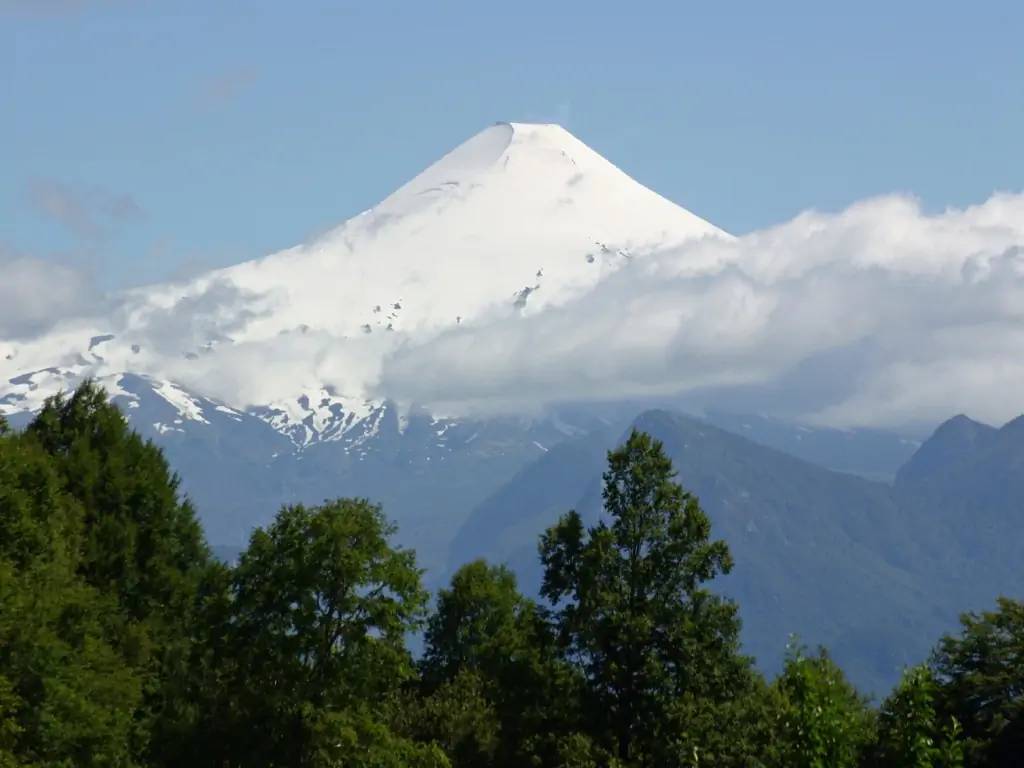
35	294
928	309
880	315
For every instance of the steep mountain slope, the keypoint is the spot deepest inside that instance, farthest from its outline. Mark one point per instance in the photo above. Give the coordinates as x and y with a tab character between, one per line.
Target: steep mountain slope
428	473
966	485
954	444
505	526
259	379
518	217
260	382
510	215
872	572
871	453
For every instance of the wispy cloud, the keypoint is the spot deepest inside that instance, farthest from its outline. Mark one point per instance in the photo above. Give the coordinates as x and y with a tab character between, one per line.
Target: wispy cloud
87	213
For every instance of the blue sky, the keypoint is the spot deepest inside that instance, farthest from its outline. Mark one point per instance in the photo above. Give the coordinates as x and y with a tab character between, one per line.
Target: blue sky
147	140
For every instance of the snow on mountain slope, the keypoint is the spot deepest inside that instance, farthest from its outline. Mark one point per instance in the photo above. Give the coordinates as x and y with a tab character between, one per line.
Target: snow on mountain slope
518	213
517	218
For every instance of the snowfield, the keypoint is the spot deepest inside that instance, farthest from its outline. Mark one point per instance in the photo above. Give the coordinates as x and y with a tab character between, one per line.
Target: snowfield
518	218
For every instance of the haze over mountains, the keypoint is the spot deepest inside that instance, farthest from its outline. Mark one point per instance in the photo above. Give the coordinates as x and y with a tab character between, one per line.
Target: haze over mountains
872	570
465	352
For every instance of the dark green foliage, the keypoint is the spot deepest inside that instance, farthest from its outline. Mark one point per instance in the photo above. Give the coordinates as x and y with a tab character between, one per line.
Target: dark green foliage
458	715
821	722
481	623
140	546
123	644
77	700
489	641
657	650
139	538
911	732
321	605
981	683
67	696
10	729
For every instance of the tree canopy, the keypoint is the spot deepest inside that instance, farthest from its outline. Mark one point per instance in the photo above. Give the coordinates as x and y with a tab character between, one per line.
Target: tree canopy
653	643
981	682
124	644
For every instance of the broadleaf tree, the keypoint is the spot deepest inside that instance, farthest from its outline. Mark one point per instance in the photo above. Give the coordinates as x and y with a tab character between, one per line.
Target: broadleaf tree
632	611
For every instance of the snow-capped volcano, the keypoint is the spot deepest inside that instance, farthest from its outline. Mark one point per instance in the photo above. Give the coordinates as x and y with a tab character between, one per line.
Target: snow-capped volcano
517	209
518	217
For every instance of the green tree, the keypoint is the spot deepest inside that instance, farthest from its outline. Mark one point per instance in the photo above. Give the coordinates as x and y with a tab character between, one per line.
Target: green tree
981	683
490	643
822	722
481	622
458	715
910	730
10	704
321	604
653	644
67	696
736	732
141	545
141	542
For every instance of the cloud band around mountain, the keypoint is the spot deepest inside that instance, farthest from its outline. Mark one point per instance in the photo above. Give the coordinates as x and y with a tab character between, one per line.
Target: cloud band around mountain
924	313
879	315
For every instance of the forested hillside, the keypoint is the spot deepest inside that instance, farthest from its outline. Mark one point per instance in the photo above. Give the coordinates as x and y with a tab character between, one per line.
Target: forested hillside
123	642
874	571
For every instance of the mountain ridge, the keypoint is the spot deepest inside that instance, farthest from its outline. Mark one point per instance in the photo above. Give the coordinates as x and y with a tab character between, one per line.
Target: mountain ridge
871	570
518	217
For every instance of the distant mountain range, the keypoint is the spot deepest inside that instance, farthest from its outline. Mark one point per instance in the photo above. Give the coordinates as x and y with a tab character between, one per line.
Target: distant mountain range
874	571
518	218
259	379
264	384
